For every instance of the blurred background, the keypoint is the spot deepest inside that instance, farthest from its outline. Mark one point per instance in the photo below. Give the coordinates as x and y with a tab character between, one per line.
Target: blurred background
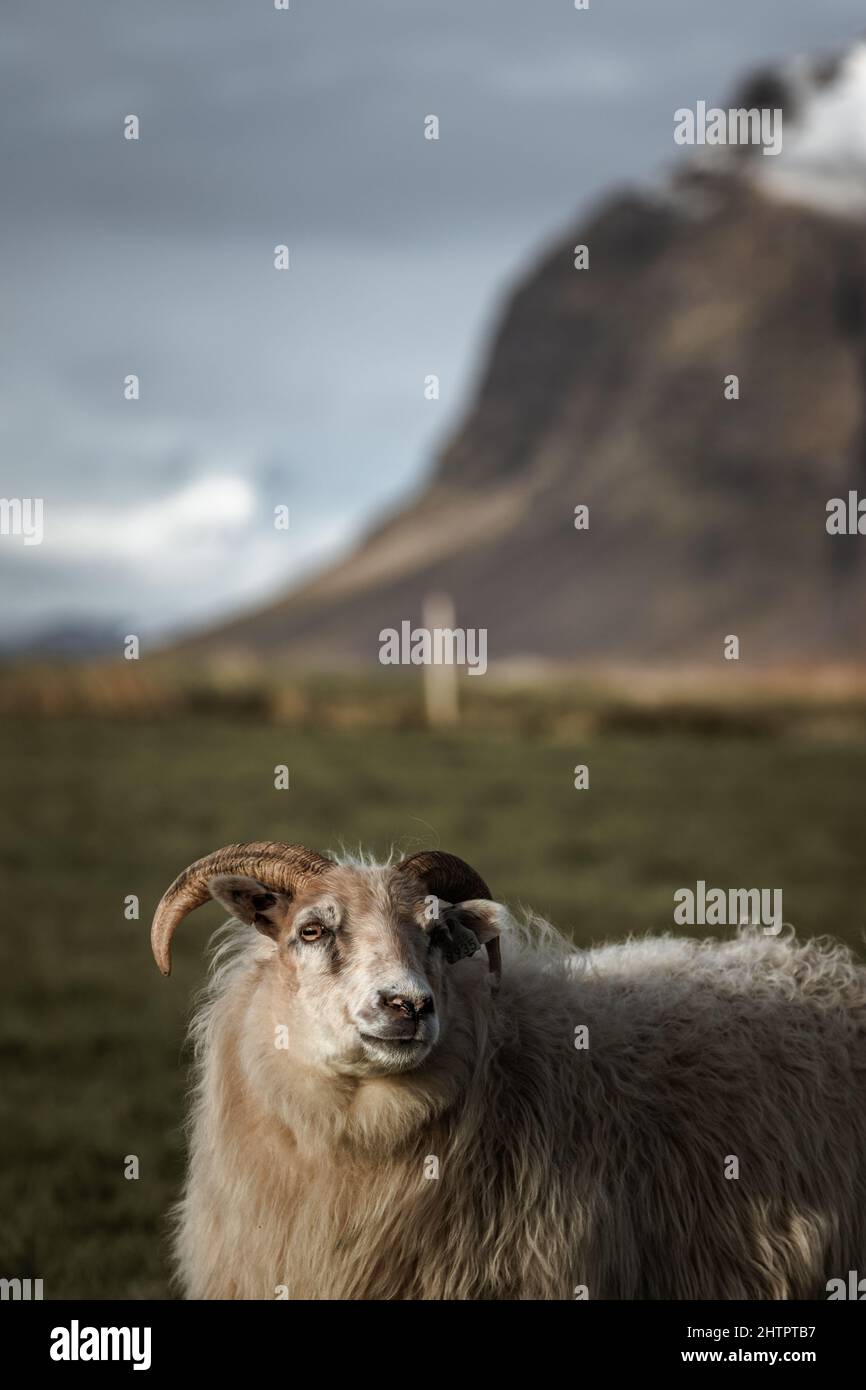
430	389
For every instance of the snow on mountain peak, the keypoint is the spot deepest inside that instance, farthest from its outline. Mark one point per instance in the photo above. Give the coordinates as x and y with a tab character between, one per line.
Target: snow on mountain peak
822	162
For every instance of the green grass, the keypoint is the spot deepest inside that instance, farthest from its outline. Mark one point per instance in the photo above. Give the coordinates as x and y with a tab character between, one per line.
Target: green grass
92	1037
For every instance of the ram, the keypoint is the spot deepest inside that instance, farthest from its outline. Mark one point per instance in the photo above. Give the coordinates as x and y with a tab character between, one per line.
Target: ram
379	1115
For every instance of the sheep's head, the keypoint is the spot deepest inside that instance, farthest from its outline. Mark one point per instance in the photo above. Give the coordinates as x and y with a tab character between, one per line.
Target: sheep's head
364	954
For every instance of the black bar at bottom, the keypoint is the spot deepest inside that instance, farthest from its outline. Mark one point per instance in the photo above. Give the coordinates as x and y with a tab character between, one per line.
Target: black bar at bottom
252	1339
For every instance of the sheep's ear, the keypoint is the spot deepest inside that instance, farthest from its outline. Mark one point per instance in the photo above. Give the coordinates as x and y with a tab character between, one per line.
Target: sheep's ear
487	920
250	901
469	926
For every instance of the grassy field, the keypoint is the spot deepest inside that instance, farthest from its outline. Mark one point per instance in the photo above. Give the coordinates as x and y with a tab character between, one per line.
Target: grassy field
95	810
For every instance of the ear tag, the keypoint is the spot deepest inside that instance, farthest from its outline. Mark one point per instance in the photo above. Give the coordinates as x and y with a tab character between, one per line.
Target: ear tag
459	941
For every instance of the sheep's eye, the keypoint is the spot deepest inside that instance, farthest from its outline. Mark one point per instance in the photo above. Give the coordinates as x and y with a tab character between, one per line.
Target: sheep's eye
313	931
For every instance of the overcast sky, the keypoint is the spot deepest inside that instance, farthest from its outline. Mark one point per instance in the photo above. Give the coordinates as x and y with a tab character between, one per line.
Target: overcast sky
303	127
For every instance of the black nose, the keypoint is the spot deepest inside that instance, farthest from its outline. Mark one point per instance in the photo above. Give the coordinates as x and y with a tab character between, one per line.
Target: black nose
407	1006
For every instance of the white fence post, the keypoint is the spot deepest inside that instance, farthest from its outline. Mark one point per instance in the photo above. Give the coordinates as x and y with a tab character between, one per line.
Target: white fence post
440	681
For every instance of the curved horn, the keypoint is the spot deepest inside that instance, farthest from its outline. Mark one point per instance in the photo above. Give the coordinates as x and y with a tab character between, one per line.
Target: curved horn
446	876
282	867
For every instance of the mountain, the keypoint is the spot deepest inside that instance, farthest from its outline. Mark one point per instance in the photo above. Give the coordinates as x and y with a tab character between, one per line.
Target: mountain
606	387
